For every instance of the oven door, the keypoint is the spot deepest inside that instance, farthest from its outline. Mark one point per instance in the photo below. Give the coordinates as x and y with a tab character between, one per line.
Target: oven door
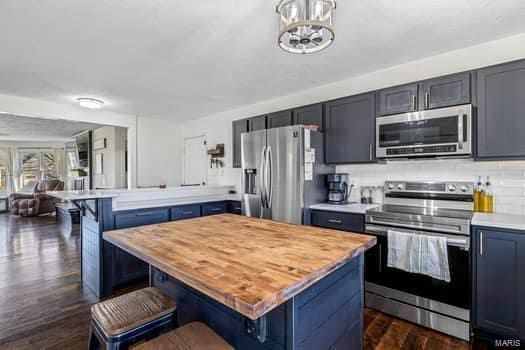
445	131
455	293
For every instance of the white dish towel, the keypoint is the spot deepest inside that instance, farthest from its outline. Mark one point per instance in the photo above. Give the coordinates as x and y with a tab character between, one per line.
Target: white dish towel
417	253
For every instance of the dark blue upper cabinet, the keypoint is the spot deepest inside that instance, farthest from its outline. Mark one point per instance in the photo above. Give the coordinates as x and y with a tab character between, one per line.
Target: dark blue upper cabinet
398	99
501	111
349	129
309	115
450	90
238	127
499	282
257	123
279	119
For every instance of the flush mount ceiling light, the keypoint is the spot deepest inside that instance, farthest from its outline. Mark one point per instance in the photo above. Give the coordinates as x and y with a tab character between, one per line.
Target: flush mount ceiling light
91	103
306	25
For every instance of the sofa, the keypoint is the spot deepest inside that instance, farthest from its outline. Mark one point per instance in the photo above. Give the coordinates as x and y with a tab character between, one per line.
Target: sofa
37	202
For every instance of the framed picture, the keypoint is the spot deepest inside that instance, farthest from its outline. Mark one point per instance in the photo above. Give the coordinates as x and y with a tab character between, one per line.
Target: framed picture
99	164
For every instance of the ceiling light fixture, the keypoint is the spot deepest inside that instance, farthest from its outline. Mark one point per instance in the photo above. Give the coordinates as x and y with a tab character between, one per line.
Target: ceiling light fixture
91	103
306	25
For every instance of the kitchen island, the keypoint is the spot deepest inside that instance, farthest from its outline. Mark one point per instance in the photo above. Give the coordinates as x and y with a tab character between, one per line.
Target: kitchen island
260	284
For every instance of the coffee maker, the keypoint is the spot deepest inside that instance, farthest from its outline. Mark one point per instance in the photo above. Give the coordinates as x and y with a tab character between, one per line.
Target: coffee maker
338	189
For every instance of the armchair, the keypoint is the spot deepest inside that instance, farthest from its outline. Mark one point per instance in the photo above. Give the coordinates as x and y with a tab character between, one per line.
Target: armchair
37	202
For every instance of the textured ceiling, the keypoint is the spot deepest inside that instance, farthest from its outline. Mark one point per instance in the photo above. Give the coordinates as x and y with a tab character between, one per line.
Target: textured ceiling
182	59
18	128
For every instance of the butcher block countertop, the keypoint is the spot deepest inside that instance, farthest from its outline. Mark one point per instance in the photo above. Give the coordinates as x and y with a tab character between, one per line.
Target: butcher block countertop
250	265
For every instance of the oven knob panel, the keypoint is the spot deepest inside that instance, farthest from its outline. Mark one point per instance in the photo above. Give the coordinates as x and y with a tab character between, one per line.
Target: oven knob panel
390	186
452	188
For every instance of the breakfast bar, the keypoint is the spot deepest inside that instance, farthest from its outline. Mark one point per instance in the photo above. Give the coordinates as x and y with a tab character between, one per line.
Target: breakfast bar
259	284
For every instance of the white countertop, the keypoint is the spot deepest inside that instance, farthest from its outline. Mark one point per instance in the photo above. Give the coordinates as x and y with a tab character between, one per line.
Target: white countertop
354	208
496	220
82	195
166	202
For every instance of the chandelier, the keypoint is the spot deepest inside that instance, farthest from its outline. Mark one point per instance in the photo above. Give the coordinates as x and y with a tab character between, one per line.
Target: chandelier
306	25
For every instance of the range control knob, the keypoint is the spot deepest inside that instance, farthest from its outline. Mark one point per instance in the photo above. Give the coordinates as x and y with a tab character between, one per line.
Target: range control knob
390	186
463	188
452	188
400	186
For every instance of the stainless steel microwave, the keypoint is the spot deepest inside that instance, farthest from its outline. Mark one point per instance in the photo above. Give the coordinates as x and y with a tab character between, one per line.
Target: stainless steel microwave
431	133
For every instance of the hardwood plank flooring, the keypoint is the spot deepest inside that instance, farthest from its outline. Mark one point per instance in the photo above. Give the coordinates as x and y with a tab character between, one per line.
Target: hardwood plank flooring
43	305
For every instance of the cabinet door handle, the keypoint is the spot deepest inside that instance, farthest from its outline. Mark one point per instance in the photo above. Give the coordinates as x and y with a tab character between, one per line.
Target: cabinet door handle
216	209
334	221
427	100
144	214
481	243
187	212
414	103
371	151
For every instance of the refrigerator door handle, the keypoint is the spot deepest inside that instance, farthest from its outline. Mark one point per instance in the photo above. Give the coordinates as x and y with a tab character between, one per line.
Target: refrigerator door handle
262	178
269	177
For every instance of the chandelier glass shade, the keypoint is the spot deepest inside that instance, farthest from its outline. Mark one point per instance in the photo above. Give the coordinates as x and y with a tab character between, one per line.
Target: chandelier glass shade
306	25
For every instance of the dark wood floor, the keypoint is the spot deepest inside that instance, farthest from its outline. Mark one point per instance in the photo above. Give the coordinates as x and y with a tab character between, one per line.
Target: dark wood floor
42	304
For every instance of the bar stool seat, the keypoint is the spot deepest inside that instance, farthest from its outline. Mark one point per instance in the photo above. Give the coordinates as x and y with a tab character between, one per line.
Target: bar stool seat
131	317
191	336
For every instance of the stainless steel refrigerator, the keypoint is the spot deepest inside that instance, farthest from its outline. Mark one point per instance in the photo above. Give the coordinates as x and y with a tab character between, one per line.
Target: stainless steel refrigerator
283	173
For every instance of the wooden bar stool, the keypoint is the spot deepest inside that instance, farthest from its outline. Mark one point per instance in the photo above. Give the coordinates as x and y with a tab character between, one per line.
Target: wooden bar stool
191	336
131	317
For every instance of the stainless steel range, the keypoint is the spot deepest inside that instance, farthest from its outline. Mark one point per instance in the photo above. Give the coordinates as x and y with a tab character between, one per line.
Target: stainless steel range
427	208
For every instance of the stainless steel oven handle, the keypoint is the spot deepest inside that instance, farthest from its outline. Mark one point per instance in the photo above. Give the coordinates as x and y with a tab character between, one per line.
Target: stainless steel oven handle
460	242
441	228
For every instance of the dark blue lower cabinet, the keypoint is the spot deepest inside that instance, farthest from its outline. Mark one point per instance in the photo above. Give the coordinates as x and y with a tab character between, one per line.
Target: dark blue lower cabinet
213	208
338	220
126	268
326	316
234	207
498	283
186	212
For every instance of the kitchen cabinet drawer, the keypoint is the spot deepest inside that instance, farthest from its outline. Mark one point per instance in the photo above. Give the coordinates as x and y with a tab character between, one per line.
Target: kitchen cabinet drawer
257	123
213	208
238	127
186	212
279	119
339	221
234	207
141	217
451	90
398	99
309	115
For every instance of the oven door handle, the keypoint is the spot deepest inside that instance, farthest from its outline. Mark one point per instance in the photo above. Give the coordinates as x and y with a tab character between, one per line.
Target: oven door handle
420	226
460	242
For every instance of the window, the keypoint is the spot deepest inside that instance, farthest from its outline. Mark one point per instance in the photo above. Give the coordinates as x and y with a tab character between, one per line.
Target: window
36	166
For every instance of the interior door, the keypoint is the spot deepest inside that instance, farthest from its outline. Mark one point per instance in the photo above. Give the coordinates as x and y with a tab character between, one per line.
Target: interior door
195	161
287	173
253	146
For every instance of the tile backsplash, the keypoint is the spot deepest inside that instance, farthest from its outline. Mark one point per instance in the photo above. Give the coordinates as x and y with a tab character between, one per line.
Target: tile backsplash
507	177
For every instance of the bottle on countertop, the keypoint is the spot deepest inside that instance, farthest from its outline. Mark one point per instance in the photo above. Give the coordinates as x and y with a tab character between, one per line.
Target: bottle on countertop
478	193
488	198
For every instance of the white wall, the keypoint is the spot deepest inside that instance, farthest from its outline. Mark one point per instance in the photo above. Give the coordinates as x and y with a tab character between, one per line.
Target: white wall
159	152
113	175
157	144
217	127
30	107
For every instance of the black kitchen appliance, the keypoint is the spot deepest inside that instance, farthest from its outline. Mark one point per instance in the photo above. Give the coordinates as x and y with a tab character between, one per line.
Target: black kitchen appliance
338	189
